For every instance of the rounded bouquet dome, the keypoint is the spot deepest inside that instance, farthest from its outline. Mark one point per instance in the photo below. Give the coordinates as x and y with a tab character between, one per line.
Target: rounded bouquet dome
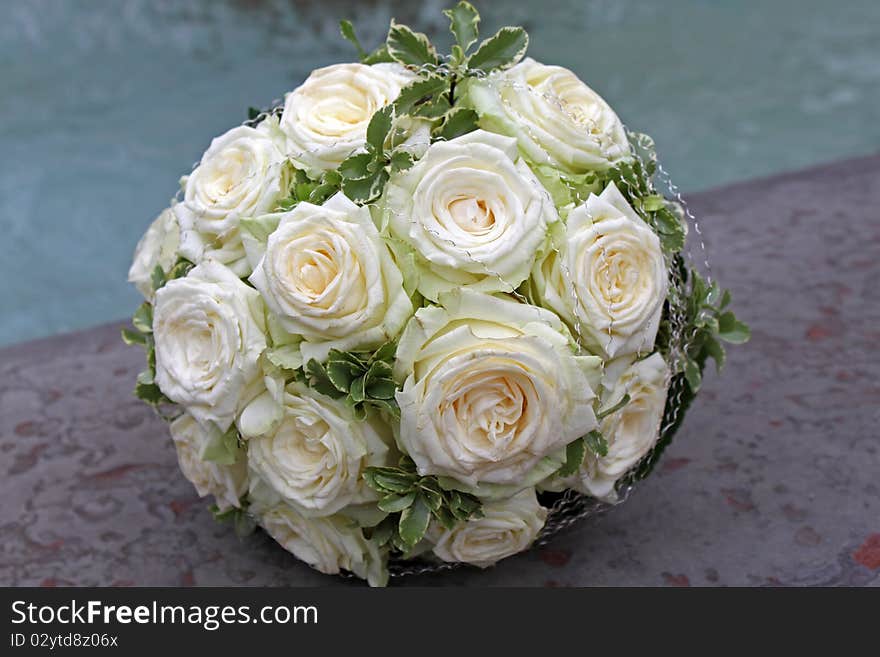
425	312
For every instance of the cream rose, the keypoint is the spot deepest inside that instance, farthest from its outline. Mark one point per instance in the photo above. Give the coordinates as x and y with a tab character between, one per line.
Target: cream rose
314	455
158	246
330	279
557	119
227	483
507	527
472	213
242	174
491	389
325	119
605	276
630	432
209	333
327	544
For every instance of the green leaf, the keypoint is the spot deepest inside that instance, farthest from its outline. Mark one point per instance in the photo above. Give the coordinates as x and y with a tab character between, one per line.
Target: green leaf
319	380
414	521
341	375
433	108
356	166
394	503
365	190
408	47
574	457
379	127
383	532
381	389
346	28
130	337
458	122
732	330
394	483
149	392
401	160
505	48
464	23
715	351
693	375
142	319
601	415
379	369
385	352
222	448
356	392
420	91
596	443
157	278
253	113
653	203
379	56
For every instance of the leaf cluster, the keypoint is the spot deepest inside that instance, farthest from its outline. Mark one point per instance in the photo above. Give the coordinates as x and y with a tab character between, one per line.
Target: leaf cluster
411	500
362	380
243	522
432	95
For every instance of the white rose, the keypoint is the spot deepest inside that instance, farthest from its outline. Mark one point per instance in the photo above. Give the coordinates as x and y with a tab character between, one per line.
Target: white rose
227	483
208	328
472	212
605	276
330	279
158	246
327	544
326	118
630	432
557	119
315	455
508	526
492	388
242	174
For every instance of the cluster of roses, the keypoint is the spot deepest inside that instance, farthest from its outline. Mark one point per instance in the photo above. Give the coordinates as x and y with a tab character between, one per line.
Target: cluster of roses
513	318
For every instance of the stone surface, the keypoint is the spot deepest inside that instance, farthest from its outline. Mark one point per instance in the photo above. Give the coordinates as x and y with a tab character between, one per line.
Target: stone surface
772	481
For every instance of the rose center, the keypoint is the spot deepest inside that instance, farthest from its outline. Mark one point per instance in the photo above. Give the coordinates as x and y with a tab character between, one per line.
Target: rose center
472	215
312	271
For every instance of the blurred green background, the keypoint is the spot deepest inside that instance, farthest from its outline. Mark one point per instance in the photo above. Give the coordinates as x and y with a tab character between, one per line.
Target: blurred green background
106	103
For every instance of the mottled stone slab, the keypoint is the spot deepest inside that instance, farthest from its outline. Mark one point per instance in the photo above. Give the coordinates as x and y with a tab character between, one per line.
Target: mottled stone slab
774	479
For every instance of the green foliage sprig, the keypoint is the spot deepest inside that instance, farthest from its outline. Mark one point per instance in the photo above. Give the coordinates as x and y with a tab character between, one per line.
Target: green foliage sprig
432	95
411	500
141	334
242	521
361	379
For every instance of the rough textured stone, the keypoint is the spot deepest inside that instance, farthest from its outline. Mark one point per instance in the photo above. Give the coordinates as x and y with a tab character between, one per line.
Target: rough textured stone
773	479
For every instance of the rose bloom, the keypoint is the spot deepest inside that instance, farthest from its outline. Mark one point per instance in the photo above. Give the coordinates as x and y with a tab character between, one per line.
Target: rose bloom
605	275
508	526
243	173
631	432
209	333
227	483
329	278
557	119
313	456
328	545
470	213
157	247
325	119
492	389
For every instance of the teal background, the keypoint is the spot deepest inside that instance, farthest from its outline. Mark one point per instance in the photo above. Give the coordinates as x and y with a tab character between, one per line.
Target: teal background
105	104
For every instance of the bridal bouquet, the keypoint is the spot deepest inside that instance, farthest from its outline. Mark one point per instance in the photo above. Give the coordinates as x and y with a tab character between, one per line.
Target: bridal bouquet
423	310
